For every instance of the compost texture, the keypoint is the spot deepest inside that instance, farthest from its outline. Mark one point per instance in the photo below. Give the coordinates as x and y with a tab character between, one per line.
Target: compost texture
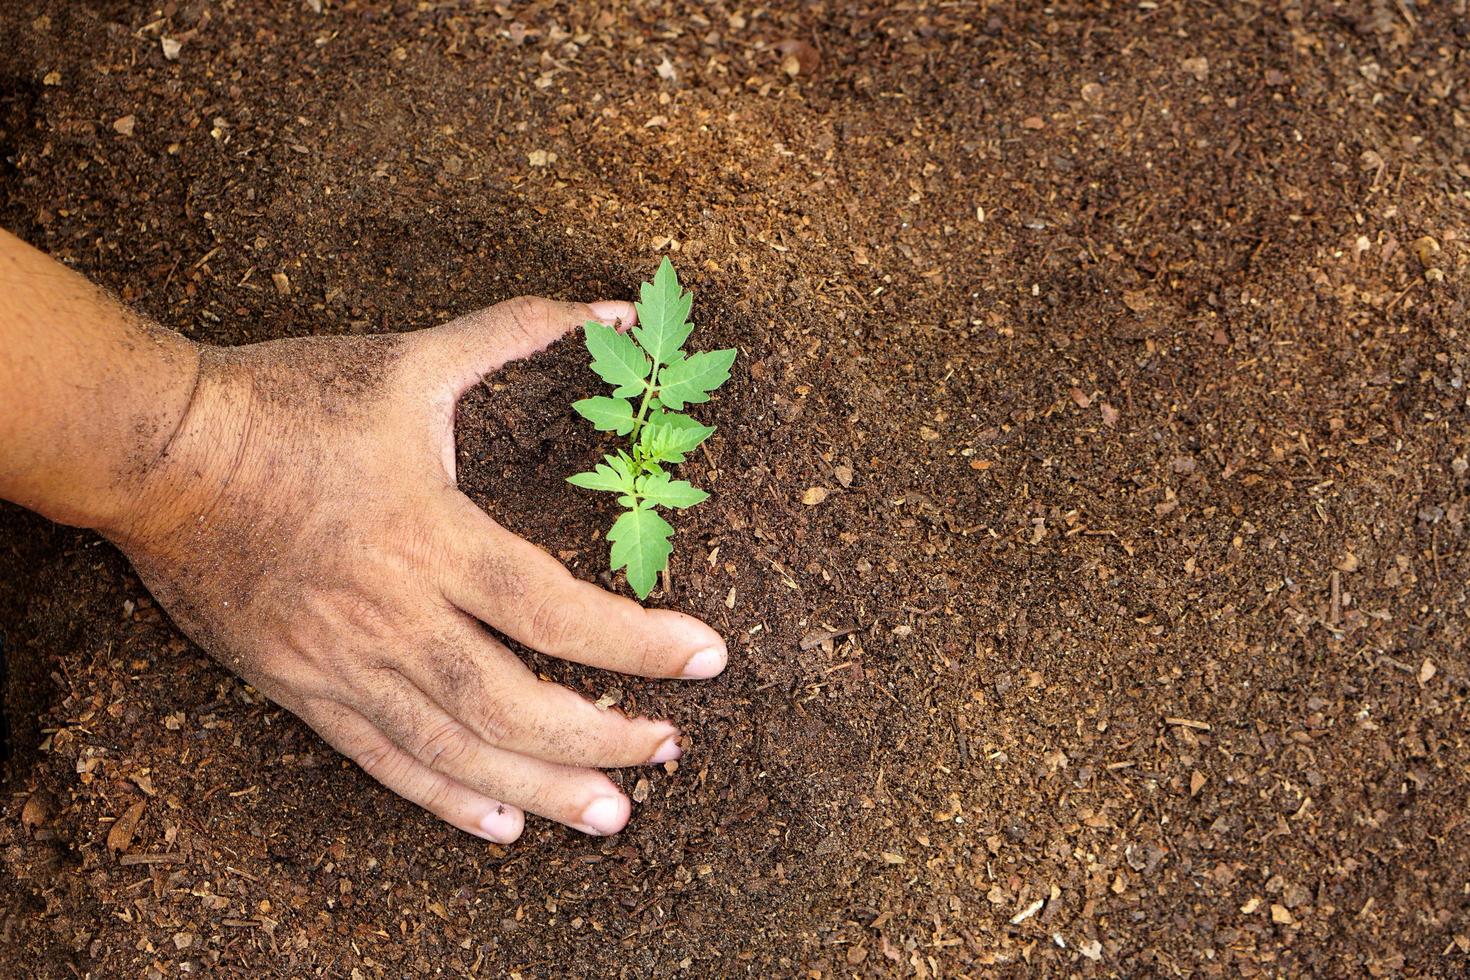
1089	499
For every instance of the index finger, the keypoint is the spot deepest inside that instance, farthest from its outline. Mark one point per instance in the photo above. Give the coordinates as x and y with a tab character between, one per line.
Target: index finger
510	584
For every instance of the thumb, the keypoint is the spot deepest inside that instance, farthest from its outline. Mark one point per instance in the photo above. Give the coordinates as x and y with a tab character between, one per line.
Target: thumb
453	358
463	351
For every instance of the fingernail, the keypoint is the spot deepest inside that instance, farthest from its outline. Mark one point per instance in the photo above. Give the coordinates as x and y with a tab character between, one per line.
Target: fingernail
610	312
668	751
706	663
501	825
604	816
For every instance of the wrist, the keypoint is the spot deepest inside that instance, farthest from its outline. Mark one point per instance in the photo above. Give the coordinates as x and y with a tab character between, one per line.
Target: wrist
125	481
91	394
184	458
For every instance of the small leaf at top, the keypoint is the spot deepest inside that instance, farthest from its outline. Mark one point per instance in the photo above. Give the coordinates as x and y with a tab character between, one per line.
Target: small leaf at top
640	543
689	382
663	314
617	360
622	464
607	414
668	436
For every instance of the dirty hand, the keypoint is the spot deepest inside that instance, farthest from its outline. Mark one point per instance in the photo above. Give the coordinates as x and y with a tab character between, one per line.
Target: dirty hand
304	525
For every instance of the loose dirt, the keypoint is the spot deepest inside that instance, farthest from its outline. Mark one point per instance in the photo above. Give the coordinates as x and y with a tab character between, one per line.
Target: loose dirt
1128	343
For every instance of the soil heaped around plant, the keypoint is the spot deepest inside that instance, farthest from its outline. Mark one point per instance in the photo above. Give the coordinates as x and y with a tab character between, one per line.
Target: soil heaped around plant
1089	498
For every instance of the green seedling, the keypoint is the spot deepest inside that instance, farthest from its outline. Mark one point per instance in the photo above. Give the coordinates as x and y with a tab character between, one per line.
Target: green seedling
663	379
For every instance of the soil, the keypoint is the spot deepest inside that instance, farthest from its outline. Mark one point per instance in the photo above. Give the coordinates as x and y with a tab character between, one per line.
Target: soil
1128	341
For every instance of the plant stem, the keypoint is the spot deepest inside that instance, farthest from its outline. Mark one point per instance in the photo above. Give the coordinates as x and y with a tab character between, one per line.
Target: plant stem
648	391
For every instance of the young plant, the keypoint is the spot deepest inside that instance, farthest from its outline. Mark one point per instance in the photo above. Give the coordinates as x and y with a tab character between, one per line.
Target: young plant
663	379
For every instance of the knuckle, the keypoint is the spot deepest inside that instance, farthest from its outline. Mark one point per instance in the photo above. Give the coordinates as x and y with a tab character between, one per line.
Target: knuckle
586	734
364	616
437	795
650	659
542	797
547	621
373	758
523	314
443	746
339	669
497	720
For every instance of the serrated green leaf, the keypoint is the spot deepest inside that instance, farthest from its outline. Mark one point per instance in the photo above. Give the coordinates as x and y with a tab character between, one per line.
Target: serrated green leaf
603	479
607	414
669	436
677	420
617	360
626	469
663	314
640	543
657	488
689	382
612	475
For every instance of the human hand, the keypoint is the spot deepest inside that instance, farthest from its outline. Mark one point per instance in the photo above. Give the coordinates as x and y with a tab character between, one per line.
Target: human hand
303	524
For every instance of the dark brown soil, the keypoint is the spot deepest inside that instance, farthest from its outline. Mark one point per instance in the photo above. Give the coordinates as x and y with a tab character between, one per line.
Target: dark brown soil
1129	339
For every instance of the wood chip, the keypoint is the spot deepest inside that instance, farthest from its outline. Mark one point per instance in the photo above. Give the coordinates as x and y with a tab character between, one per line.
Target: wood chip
1137	300
814	496
36	812
815	639
1198	726
1426	250
1027	912
128	860
1199	68
120	837
798	57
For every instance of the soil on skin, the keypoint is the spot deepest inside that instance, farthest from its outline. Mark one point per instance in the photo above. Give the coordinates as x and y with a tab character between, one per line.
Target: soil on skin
1128	341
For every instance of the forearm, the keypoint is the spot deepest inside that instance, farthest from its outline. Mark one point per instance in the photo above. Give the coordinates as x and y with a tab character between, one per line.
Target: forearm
90	393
